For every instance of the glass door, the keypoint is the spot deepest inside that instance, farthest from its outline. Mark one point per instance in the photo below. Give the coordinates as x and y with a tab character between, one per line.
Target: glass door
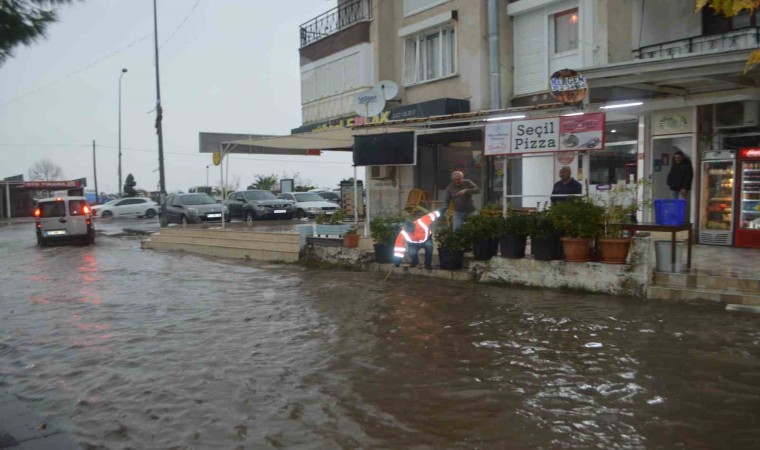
749	215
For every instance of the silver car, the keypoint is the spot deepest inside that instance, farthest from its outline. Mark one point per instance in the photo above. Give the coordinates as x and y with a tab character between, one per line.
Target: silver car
193	208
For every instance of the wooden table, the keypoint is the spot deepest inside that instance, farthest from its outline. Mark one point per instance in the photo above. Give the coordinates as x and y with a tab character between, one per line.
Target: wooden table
672	229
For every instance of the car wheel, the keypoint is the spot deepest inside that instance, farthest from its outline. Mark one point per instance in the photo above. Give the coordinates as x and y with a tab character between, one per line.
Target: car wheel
106	214
150	213
249	216
183	220
300	214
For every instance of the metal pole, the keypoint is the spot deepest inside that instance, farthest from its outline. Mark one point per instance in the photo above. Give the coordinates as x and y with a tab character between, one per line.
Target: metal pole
159	119
8	198
95	172
123	71
207	185
221	180
356	196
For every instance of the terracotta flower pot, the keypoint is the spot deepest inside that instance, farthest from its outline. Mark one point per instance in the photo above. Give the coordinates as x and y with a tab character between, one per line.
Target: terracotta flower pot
577	249
613	251
351	240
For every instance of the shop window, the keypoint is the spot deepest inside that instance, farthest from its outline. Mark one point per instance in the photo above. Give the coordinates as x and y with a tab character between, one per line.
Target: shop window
566	31
617	162
430	55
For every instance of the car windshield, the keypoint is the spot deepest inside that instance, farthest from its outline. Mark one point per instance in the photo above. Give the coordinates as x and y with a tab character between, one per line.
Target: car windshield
259	195
111	202
308	197
197	199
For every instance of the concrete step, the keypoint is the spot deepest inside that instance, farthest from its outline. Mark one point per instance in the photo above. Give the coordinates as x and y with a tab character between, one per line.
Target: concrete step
223	251
717	295
226	242
749	286
230	234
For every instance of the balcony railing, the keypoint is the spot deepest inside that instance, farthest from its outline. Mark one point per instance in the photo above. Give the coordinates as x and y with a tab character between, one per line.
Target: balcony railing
745	38
334	20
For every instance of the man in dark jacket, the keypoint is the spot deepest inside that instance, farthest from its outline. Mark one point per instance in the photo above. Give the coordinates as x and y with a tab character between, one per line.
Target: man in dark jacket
680	176
460	191
566	185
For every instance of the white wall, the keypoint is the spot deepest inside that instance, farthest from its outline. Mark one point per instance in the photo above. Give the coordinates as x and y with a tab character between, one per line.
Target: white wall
664	21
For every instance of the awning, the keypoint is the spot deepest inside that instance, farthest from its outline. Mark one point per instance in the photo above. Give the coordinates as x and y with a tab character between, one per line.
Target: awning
339	139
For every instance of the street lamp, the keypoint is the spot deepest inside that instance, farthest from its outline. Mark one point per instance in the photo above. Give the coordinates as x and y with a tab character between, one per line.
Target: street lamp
123	71
207	166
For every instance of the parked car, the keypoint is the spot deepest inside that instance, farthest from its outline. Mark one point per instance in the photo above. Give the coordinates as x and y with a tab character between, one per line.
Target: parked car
309	204
127	207
63	218
258	204
193	208
330	196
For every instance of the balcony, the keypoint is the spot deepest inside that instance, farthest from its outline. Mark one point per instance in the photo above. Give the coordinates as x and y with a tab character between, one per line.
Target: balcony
742	39
335	20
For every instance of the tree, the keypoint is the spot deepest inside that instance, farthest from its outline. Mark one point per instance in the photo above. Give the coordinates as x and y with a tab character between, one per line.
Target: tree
45	170
265	182
23	22
129	186
730	8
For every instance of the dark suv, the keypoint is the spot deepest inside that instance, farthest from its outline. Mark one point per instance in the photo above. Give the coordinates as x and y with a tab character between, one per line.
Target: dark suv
258	204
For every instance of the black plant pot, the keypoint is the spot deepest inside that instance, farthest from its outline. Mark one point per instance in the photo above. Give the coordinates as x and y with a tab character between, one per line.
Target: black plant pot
513	246
383	253
483	249
450	260
546	248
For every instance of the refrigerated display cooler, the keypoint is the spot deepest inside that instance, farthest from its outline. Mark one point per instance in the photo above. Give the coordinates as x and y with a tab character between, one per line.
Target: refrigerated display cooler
747	232
717	197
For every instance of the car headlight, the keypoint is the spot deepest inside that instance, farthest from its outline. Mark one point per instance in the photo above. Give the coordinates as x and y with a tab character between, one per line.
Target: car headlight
192	210
314	208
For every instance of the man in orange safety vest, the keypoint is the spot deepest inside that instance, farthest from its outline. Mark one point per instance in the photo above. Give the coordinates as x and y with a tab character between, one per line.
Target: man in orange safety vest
416	235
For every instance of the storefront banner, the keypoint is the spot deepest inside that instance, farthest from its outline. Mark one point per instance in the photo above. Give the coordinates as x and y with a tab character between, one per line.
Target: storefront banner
52	184
547	135
673	121
497	139
537	135
584	132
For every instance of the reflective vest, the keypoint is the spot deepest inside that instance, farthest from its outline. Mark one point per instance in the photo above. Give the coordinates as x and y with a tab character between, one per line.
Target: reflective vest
420	234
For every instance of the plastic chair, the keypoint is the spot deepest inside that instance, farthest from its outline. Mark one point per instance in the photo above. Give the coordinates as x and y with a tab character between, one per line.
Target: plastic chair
416	201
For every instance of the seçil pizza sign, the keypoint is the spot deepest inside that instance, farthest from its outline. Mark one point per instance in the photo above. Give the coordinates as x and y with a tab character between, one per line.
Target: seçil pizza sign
546	135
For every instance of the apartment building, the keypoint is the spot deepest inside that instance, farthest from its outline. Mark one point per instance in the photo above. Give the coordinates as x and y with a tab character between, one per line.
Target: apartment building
666	78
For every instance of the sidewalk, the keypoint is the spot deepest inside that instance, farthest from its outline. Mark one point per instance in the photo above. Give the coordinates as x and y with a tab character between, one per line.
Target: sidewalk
22	429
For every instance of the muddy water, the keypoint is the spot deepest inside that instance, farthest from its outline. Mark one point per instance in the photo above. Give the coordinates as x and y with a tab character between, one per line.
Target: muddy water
127	348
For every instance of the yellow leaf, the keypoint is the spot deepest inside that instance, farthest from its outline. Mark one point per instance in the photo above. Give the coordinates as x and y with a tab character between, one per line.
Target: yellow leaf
752	61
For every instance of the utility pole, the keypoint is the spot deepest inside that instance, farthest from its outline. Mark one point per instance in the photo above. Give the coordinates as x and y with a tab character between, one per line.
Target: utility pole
123	71
95	172
159	118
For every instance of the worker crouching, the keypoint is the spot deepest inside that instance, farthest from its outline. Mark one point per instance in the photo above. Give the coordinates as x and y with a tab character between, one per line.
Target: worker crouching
416	235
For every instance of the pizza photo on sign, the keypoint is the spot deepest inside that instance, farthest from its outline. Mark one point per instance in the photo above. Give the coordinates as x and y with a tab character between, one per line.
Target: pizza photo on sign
568	86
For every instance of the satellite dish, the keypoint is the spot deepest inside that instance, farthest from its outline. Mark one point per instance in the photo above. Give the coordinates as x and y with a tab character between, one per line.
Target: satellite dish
370	102
389	88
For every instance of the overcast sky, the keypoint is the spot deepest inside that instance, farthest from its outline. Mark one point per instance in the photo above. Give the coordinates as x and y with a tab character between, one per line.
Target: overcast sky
227	66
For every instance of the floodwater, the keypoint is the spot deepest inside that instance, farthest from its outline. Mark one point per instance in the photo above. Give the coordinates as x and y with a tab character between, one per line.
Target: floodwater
127	348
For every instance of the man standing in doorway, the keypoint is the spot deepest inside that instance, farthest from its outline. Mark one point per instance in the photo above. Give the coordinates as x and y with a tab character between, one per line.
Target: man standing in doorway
680	176
566	185
461	191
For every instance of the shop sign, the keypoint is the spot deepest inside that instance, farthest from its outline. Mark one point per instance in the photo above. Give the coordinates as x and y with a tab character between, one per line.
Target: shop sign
48	184
568	86
674	121
751	153
216	158
548	135
383	117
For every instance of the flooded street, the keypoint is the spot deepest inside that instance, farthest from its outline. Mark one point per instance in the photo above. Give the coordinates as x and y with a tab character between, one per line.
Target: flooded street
129	348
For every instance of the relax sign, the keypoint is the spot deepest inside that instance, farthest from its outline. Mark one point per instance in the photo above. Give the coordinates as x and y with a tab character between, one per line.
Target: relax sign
547	135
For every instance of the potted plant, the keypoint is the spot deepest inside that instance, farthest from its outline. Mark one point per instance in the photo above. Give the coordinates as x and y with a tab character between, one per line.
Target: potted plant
351	237
620	205
492	209
384	231
580	221
330	224
544	238
482	231
513	234
451	247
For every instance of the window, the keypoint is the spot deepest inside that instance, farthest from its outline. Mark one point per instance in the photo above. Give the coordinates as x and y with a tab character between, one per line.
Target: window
566	31
415	6
430	55
76	207
716	23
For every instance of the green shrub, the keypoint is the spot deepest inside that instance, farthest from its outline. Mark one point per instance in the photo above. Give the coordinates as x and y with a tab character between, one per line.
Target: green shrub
577	218
455	241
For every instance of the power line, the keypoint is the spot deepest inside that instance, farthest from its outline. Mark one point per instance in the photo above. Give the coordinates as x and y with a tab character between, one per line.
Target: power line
181	24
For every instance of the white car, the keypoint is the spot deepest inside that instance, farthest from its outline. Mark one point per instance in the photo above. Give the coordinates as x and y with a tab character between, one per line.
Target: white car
127	207
309	204
63	218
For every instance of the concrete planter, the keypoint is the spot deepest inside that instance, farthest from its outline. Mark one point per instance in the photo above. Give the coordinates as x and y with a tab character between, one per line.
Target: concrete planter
330	230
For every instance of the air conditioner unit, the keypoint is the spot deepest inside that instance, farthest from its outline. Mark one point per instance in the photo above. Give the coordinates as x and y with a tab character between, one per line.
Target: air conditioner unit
382	172
736	114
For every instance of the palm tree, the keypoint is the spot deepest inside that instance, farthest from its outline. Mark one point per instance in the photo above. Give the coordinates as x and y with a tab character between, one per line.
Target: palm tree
265	182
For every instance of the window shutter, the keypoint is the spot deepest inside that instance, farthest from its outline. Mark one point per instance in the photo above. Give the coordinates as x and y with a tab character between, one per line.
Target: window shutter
530	44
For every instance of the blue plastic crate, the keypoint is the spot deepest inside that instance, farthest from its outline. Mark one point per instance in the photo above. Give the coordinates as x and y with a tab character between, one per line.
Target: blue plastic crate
669	211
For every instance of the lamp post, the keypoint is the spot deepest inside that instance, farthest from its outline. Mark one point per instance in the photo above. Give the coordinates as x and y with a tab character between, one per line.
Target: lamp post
207	166
159	127
123	71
